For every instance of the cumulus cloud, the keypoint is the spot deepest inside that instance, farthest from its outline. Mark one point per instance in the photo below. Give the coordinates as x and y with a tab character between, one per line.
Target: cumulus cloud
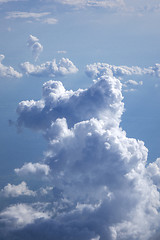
35	46
8	72
121	72
17	190
102	187
33	168
20	215
50	68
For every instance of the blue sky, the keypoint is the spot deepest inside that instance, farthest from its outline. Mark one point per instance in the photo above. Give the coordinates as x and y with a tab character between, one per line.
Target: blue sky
115	43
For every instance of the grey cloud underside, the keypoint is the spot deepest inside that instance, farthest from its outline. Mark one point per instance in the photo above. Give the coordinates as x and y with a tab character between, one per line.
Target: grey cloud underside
102	187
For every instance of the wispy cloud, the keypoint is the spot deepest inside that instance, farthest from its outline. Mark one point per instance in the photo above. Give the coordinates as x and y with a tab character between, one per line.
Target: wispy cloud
32	16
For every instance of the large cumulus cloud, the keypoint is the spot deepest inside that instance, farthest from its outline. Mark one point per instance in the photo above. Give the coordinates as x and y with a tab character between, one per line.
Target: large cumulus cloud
99	181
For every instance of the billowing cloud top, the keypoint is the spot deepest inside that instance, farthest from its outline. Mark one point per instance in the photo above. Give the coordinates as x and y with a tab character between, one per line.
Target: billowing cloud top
99	183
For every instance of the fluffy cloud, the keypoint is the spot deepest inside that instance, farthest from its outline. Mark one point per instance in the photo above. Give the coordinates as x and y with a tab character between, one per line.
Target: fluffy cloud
17	216
17	190
97	69
102	187
8	72
35	46
50	68
33	168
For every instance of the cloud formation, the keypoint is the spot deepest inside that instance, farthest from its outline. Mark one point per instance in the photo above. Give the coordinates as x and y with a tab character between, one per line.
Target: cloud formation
8	72
20	215
50	68
35	46
33	168
17	190
100	184
30	16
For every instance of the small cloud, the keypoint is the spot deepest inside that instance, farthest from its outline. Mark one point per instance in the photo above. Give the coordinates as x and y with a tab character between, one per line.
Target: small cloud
33	168
50	68
25	15
35	46
17	190
8	72
62	52
20	215
50	20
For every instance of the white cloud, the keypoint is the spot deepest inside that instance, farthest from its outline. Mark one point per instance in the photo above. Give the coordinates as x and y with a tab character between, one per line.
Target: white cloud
20	215
17	190
35	46
50	20
30	16
37	16
6	1
8	72
102	187
50	68
33	168
111	4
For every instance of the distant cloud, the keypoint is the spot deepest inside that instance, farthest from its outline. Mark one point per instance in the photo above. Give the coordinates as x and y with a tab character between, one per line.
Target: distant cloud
20	215
97	69
50	20
6	1
35	46
32	16
61	52
50	68
17	190
11	15
33	168
8	72
93	3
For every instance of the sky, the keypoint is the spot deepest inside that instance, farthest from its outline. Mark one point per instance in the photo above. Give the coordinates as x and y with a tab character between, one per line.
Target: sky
79	107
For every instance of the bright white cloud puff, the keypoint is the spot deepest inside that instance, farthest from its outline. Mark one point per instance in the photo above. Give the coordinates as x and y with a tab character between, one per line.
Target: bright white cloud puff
102	186
8	72
33	168
50	68
17	190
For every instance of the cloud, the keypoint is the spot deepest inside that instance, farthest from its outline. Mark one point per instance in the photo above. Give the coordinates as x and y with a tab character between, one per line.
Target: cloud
6	1
8	72
30	16
17	190
50	68
97	69
61	52
50	20
102	187
93	3
20	215
35	46
33	168
18	14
